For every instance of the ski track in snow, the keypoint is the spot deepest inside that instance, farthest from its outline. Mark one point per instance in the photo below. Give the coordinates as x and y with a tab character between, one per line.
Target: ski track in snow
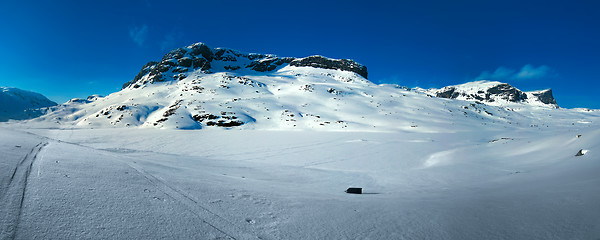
205	215
13	193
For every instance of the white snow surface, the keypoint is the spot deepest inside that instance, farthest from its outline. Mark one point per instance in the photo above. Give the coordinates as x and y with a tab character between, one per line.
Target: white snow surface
473	182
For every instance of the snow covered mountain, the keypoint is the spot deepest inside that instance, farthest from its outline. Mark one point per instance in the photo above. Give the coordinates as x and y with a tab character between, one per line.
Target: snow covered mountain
198	87
21	104
495	93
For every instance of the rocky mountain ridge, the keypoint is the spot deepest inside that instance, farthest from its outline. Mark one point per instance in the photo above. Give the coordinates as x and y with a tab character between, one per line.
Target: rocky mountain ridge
494	93
198	87
178	63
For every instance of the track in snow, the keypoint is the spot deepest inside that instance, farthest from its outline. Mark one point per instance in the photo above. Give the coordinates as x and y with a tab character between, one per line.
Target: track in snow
208	217
229	229
13	193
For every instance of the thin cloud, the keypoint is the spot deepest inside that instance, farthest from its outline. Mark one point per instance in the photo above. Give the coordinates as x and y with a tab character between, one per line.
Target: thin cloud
500	73
170	41
139	34
527	72
530	72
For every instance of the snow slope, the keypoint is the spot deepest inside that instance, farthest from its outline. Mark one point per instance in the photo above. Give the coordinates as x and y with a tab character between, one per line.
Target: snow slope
296	98
21	104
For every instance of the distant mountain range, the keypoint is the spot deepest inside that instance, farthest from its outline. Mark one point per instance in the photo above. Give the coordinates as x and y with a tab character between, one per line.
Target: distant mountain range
198	87
21	104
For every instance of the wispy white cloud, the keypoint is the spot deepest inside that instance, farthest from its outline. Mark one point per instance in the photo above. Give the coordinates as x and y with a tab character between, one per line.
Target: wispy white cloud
530	72
527	72
500	73
171	41
139	34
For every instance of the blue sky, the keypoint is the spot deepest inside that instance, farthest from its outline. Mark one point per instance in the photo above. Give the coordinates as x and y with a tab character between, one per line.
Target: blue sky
66	49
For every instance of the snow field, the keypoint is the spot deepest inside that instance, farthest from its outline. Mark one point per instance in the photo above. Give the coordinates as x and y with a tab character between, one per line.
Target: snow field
120	183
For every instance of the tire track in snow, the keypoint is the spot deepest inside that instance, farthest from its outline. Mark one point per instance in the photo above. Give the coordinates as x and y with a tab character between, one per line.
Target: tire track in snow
13	196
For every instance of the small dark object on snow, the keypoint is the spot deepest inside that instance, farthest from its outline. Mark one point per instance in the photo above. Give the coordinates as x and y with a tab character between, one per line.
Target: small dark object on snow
354	190
580	153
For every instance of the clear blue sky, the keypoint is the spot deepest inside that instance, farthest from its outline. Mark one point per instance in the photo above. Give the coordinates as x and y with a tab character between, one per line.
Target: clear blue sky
66	49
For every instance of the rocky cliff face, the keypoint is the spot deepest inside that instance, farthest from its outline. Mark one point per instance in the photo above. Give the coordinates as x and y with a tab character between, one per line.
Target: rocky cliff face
177	64
327	63
545	96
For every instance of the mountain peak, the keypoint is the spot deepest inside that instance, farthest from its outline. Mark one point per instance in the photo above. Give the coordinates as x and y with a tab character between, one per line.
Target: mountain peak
176	64
21	104
495	93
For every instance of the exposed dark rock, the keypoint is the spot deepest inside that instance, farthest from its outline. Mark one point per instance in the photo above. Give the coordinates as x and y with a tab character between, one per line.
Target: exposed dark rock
226	55
223	123
506	92
327	63
201	63
546	97
145	70
254	56
185	62
202	117
233	68
180	70
163	67
176	54
202	50
169	112
334	91
269	64
307	87
448	92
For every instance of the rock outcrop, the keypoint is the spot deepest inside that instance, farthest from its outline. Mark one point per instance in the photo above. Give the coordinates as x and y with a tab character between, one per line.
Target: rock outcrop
545	96
327	63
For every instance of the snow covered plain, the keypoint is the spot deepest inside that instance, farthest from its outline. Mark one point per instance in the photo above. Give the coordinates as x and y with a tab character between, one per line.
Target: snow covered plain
522	183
